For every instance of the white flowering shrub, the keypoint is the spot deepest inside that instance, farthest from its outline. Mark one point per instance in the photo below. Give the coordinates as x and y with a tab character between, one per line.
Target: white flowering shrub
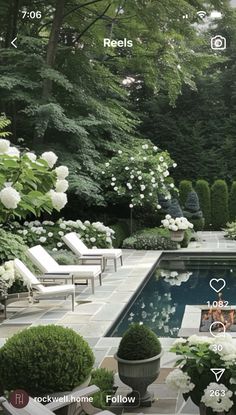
177	224
196	356
139	175
49	234
7	276
29	184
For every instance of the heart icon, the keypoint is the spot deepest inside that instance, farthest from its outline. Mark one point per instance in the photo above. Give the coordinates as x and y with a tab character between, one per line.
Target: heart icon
217	284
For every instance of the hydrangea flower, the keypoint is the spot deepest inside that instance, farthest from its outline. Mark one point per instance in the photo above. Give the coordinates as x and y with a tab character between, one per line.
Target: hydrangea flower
62	172
9	197
62	185
31	156
180	381
13	152
50	157
4	145
217	402
59	200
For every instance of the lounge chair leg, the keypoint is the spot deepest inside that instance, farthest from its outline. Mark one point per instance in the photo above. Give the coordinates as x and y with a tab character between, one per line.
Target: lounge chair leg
121	260
115	264
92	282
100	279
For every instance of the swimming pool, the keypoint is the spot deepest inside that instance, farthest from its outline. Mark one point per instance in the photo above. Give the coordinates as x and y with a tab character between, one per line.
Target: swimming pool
176	282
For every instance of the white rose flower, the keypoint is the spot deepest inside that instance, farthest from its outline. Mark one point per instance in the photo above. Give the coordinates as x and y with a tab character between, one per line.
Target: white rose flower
141	196
131	206
113	179
158	206
31	156
42	239
119	152
4	145
59	244
142	187
62	172
107	164
115	188
50	234
59	200
61	185
155	148
168	217
172	185
54	249
126	168
50	158
175	165
60	233
62	225
93	239
10	197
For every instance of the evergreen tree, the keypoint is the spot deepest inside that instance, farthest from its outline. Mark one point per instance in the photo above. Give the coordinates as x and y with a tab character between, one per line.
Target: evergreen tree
193	212
232	202
175	210
185	187
203	190
219	204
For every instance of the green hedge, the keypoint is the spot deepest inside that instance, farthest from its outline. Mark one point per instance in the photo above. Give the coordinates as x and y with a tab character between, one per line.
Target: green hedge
185	187
232	202
204	193
153	238
104	379
219	204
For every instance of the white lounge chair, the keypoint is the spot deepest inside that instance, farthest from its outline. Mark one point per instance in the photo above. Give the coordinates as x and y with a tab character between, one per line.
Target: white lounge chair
39	290
79	248
47	264
36	408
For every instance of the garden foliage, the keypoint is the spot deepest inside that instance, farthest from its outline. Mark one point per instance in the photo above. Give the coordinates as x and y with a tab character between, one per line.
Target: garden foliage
204	194
193	212
45	359
185	187
138	342
232	202
152	238
219	204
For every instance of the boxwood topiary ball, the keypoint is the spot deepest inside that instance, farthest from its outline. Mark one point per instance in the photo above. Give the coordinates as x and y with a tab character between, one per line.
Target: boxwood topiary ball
45	359
139	342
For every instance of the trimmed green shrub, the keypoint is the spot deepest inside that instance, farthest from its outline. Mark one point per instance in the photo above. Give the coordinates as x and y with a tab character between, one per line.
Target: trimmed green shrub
104	379
219	204
192	211
175	210
154	238
12	246
204	195
45	359
185	187
139	342
232	202
230	231
121	232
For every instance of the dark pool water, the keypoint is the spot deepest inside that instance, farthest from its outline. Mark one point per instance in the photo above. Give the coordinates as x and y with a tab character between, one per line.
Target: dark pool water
174	284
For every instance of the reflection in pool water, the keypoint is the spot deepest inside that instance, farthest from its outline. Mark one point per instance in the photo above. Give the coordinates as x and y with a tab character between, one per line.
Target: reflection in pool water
174	284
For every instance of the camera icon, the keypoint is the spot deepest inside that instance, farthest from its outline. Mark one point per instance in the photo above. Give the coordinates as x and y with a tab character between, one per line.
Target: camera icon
218	43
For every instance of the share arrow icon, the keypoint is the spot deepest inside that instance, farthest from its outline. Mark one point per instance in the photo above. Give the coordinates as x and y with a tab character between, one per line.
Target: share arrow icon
218	373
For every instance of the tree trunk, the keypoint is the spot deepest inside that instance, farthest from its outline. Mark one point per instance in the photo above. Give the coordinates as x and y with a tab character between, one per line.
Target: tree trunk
52	44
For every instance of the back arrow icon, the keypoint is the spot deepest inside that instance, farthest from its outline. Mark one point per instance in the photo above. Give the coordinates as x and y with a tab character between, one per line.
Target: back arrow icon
13	42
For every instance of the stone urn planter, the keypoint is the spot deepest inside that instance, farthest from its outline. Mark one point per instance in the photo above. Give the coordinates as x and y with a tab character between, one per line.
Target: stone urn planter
177	236
138	359
139	374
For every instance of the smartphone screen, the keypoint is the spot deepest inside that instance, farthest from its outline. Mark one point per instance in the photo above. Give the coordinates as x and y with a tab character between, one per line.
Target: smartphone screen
117	207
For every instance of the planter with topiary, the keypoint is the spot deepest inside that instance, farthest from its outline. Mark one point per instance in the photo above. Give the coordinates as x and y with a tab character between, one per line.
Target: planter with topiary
138	358
45	360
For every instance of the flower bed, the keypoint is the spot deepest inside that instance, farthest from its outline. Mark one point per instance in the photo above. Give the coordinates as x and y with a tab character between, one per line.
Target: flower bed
49	234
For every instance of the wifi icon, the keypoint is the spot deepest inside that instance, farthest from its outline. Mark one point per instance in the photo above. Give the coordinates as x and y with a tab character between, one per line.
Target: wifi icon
202	14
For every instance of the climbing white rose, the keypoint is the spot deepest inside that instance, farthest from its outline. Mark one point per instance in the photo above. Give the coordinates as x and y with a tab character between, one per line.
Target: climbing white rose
50	158
31	156
59	199
4	145
62	185
42	239
62	172
10	197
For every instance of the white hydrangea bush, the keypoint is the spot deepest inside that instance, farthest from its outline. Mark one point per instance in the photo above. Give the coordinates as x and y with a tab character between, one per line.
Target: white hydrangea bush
7	277
30	184
177	224
139	175
193	377
49	233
